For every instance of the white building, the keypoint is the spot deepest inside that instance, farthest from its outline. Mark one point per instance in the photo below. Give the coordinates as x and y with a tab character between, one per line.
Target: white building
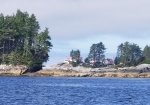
69	59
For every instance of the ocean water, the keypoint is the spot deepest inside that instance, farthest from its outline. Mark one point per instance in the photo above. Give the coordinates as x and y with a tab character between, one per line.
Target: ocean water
74	91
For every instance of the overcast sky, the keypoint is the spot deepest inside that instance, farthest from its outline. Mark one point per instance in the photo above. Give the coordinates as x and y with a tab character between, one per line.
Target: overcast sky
77	24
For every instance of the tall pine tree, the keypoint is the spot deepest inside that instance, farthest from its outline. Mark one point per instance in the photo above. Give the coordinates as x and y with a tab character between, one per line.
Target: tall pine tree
20	40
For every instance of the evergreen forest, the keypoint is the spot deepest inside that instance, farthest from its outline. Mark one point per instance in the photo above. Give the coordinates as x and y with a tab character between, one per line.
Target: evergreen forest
21	43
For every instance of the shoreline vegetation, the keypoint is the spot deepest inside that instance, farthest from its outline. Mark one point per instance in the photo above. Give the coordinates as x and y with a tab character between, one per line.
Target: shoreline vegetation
140	71
22	42
24	49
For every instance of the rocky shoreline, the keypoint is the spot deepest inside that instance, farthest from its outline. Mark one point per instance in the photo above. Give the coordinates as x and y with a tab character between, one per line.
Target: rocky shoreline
69	73
140	71
10	70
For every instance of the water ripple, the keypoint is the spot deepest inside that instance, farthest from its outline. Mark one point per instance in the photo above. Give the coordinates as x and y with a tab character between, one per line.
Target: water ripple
73	91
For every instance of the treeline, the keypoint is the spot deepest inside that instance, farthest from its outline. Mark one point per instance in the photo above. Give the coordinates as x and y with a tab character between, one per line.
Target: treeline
95	56
21	43
128	54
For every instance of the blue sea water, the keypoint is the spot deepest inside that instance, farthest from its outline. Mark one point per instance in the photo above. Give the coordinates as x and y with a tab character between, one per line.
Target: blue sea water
74	91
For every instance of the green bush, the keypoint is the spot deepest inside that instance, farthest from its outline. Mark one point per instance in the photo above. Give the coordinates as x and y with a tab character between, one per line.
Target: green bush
74	64
147	61
98	64
86	65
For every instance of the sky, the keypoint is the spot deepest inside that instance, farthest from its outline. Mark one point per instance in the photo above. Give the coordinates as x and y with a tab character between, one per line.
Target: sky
77	24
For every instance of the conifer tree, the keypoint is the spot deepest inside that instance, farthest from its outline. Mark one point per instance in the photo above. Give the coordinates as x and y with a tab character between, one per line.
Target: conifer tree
20	40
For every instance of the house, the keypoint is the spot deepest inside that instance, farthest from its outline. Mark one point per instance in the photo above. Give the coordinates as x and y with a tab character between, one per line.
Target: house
108	61
69	59
93	61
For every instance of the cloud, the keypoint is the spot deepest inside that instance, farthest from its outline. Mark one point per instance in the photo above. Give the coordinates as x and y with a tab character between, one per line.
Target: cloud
77	24
73	19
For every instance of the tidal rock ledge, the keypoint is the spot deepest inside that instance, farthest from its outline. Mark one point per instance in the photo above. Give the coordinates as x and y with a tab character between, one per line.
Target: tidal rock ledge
140	71
11	70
